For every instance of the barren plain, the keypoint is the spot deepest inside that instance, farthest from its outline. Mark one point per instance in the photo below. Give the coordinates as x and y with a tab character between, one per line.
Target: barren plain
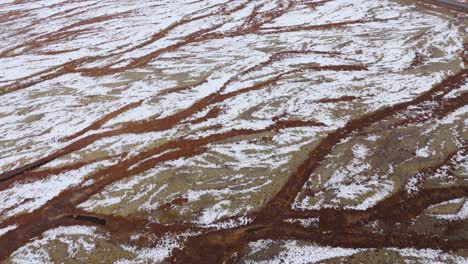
243	131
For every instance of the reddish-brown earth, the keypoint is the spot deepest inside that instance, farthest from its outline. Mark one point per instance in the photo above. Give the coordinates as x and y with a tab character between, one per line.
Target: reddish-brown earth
391	222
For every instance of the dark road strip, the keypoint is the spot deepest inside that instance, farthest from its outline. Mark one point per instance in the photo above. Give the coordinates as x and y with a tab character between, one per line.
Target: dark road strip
455	5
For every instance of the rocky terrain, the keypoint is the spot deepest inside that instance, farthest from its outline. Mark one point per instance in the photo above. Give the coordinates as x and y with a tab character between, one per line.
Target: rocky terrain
244	131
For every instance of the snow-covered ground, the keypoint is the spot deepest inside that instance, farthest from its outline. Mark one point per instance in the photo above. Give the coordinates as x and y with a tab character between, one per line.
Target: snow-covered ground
198	113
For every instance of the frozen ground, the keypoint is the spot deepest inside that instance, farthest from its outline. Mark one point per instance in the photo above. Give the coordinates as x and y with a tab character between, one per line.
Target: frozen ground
253	131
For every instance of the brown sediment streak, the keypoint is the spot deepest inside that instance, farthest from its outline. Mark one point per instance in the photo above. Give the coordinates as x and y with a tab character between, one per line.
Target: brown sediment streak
253	22
278	56
339	99
224	246
31	166
279	205
8	182
120	228
16	205
94	20
138	127
442	108
61	207
414	206
401	206
286	195
313	5
10	15
231	240
218	246
296	123
142	61
214	112
337	227
254	25
399	202
99	123
48	74
11	240
276	30
48	39
41	174
337	68
333	222
60	34
72	66
363	239
66	14
201	35
188	145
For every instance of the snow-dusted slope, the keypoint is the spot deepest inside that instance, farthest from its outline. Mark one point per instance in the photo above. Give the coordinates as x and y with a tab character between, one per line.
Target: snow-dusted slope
248	130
